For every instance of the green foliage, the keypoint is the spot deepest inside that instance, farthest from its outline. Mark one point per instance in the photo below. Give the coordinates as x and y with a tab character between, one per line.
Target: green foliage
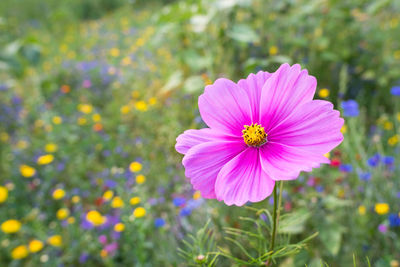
253	244
140	66
199	249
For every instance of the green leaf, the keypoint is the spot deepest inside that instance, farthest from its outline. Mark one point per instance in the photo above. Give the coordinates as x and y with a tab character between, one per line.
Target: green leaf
173	81
293	223
332	202
195	61
193	84
331	237
280	59
243	33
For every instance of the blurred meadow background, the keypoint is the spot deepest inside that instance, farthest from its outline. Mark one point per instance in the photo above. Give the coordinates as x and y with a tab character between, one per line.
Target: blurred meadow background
93	94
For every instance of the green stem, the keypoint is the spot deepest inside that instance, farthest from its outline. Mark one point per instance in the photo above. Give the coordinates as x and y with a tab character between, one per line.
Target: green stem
279	202
274	222
276	214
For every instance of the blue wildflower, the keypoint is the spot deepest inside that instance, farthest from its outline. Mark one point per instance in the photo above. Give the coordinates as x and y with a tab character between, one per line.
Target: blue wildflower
394	220
365	176
83	257
395	90
350	108
110	183
159	222
374	160
179	201
194	203
346	168
319	188
186	211
388	160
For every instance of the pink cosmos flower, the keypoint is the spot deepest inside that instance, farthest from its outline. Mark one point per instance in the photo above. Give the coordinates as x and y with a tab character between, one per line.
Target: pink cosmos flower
263	129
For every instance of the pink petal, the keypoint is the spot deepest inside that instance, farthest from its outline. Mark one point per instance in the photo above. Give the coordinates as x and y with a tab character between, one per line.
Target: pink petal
204	161
253	85
284	162
313	127
226	107
242	179
286	89
191	138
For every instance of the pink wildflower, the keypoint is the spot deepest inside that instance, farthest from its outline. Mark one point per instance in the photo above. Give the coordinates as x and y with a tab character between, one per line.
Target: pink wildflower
87	84
263	129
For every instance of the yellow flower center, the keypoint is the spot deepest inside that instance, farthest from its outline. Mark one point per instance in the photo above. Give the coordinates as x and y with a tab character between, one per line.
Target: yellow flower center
254	135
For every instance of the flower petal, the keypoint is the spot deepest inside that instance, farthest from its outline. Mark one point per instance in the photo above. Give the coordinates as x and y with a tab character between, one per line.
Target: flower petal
284	162
253	85
191	138
204	161
225	106
286	89
242	179
313	127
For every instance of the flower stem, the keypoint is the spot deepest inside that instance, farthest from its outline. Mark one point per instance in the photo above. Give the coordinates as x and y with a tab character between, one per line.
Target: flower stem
271	248
276	214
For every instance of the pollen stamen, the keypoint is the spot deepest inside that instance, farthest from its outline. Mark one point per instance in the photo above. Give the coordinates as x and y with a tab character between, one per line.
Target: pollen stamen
254	135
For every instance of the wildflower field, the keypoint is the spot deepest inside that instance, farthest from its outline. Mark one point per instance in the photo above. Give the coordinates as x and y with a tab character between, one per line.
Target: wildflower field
94	94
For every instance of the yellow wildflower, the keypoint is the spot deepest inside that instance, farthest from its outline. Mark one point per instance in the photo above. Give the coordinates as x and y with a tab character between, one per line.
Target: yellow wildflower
75	199
343	129
4	137
117	203
45	159
141	105
96	117
3	194
362	210
50	148
396	54
323	93
140	179
27	171
55	240
119	227
10	226
196	195
273	50
392	141
35	246
82	121
388	125
134	200
62	213
58	193
85	108
108	195
152	101
125	109
57	120
135	166
381	208
139	212
95	218
19	252
114	52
